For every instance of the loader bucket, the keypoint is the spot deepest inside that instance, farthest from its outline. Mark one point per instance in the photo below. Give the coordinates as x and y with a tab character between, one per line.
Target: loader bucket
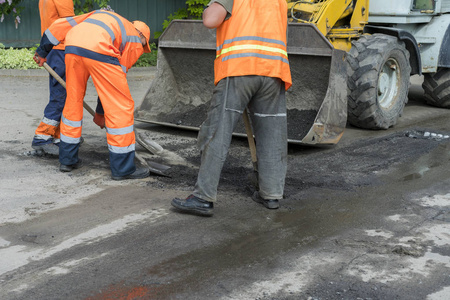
181	91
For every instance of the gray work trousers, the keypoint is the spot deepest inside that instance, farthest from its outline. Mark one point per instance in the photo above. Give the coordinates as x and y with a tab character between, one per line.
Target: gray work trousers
265	100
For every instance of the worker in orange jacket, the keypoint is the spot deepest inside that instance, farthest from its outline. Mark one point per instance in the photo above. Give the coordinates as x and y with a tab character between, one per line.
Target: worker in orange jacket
251	71
46	137
104	46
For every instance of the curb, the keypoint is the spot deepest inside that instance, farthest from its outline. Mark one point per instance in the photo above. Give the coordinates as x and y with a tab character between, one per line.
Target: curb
146	72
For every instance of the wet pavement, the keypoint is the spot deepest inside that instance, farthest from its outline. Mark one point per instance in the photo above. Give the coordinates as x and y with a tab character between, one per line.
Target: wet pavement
367	218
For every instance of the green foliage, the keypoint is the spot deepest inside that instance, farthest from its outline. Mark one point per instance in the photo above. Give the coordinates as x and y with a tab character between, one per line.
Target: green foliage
196	7
22	59
11	7
193	11
148	59
84	6
17	58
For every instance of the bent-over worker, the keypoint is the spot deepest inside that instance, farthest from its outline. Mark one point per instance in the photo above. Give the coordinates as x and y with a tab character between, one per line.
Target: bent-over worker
104	46
46	136
251	71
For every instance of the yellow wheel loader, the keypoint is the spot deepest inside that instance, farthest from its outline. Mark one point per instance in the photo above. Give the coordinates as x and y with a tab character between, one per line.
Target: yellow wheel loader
351	61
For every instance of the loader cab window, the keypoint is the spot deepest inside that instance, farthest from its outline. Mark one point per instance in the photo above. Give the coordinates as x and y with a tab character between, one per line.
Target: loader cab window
424	4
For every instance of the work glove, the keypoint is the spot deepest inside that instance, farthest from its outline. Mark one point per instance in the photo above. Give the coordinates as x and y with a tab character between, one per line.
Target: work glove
99	120
39	60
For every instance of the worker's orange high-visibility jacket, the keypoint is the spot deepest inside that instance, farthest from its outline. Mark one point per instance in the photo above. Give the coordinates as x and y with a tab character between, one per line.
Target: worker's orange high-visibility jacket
100	35
52	10
253	43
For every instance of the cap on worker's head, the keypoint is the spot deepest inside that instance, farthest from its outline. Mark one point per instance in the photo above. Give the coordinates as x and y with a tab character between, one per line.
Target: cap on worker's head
143	28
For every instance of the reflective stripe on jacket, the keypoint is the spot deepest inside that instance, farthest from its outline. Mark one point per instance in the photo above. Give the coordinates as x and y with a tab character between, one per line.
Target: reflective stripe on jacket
100	35
253	41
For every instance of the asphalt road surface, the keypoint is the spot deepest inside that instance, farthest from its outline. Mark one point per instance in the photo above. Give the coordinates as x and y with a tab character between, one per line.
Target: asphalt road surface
368	218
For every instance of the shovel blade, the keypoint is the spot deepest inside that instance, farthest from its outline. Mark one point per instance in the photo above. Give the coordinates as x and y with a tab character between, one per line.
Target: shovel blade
158	169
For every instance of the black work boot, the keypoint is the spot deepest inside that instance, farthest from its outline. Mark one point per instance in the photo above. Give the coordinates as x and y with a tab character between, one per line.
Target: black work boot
141	172
68	168
195	205
269	203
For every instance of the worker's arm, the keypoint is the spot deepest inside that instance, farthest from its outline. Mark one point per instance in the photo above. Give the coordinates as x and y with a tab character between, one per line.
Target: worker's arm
45	46
133	49
130	55
214	15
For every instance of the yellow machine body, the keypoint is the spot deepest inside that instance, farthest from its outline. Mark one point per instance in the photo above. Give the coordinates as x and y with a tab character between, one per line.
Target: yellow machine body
340	21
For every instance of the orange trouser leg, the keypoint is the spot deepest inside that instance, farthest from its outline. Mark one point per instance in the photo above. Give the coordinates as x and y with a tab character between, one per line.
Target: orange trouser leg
118	105
77	76
47	130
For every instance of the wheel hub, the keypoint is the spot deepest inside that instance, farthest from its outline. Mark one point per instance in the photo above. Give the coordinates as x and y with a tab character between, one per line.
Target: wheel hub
388	83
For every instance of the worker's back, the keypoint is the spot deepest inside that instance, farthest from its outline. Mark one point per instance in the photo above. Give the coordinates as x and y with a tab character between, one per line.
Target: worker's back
253	41
52	10
103	33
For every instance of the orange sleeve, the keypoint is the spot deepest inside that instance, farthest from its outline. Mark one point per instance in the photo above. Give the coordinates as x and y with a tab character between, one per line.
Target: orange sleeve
131	54
64	8
132	50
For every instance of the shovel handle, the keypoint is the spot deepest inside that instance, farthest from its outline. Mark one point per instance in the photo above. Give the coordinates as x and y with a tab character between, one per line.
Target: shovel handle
54	74
250	138
63	83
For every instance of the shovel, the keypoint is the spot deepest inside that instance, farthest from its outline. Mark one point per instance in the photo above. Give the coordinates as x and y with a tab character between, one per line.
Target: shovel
251	144
157	169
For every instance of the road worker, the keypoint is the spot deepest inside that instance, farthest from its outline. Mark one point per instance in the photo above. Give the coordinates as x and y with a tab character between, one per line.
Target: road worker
46	136
251	71
104	46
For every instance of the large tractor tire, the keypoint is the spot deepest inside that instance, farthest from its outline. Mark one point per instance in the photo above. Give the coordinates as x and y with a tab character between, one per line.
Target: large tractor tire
437	88
378	81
